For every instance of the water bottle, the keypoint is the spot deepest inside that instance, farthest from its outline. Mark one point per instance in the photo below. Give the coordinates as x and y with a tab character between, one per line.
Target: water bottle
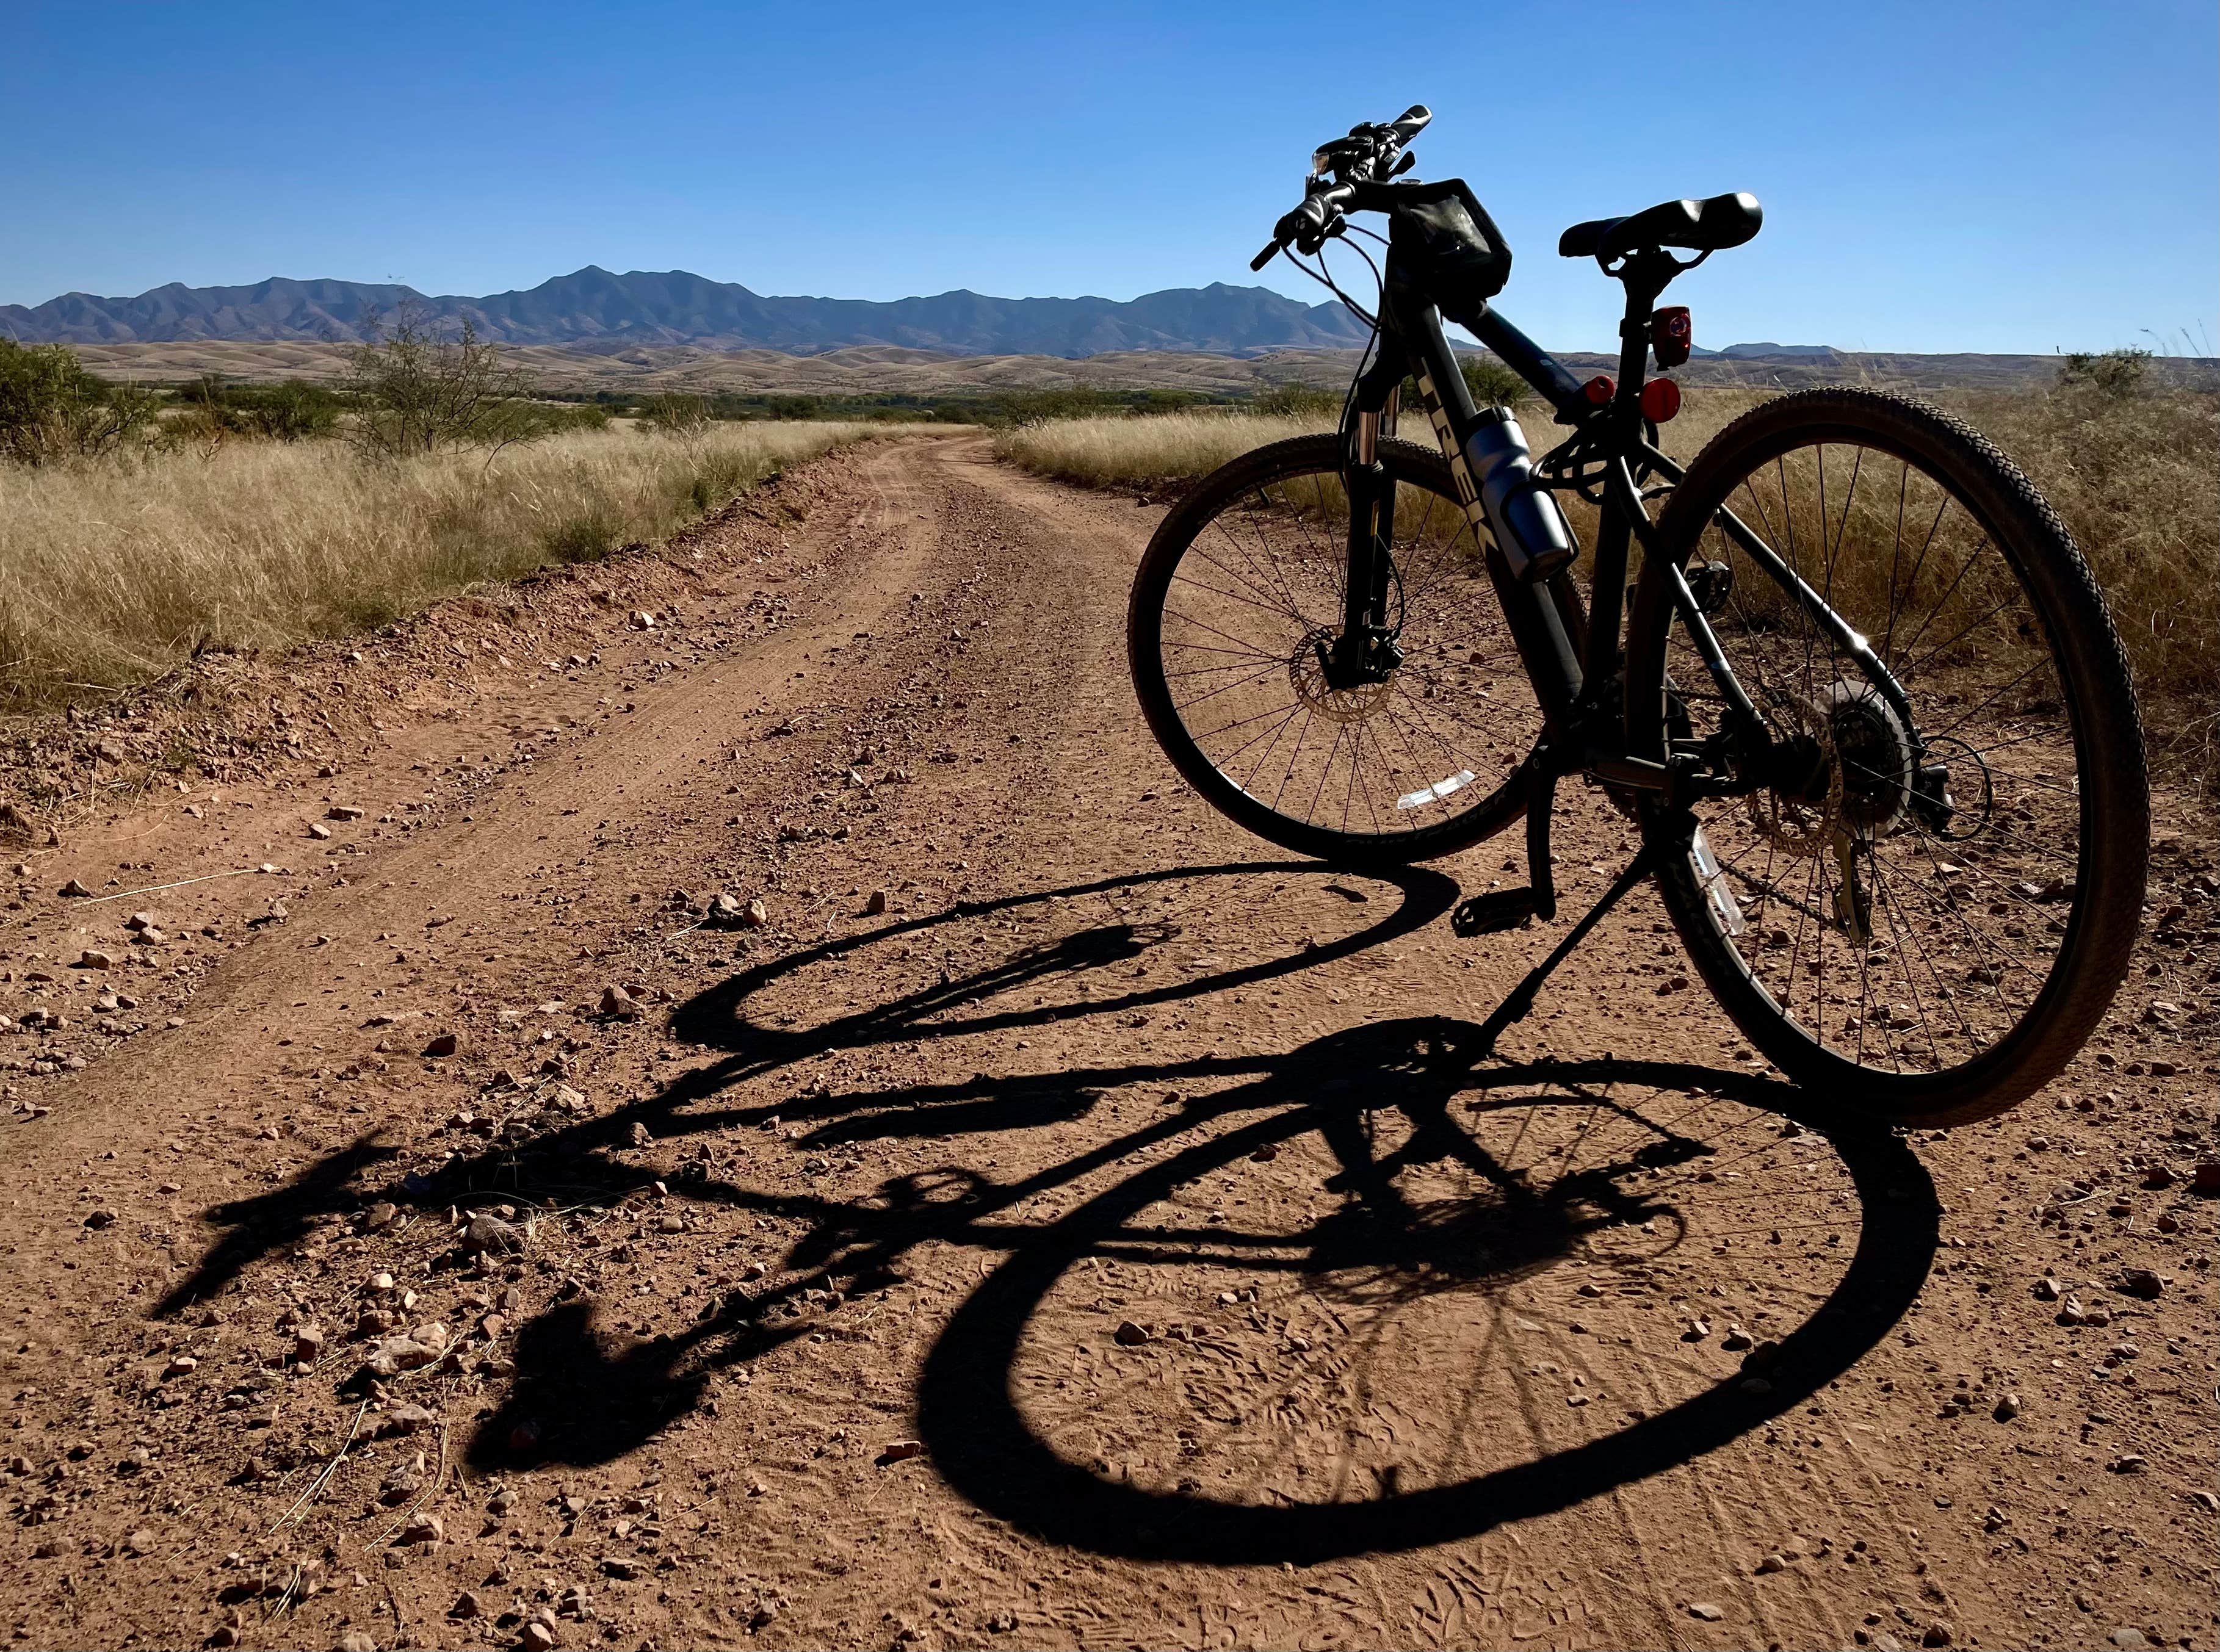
1528	526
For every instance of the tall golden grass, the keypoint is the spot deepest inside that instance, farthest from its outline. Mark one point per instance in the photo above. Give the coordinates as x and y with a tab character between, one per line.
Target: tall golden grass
113	574
2136	478
1122	452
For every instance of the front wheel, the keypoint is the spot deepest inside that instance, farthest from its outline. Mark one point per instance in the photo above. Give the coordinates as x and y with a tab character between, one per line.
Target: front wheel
1926	896
1238	601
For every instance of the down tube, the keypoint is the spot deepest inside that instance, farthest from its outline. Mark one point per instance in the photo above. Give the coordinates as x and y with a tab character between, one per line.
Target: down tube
1537	624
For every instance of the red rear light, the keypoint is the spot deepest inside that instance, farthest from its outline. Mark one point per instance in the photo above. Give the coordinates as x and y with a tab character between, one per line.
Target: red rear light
1671	337
1601	388
1660	400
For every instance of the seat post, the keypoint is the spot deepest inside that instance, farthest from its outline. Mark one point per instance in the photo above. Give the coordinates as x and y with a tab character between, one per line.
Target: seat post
1646	273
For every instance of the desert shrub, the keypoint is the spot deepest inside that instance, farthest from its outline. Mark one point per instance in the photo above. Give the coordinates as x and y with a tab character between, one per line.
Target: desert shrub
420	389
677	413
1008	407
1299	402
1491	383
559	418
2114	372
290	412
52	409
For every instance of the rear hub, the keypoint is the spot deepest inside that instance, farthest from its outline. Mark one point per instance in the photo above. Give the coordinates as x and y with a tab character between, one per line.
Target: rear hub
1844	763
1876	756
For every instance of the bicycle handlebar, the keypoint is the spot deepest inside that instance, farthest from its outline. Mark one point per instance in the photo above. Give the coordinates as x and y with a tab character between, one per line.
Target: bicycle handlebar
1372	152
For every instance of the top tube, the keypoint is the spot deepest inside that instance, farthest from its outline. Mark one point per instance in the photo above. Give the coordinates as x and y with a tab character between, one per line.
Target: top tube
1530	362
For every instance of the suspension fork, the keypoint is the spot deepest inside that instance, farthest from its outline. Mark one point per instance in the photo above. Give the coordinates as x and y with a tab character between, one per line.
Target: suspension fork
1371	528
1365	650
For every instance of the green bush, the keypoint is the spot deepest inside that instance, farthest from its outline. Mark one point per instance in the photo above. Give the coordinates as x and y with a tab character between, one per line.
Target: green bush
1491	383
2115	372
51	408
553	418
290	412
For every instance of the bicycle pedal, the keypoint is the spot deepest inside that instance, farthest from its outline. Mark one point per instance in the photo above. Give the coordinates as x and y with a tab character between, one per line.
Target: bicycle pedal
1493	913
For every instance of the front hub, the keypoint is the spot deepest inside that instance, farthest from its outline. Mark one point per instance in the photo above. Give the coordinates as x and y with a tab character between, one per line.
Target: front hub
1339	682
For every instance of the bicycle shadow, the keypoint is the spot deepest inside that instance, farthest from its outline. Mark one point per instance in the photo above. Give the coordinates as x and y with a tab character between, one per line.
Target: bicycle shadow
575	1159
981	1441
584	1394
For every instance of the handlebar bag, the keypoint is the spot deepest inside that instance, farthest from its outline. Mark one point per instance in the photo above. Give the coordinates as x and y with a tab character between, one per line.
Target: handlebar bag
1450	248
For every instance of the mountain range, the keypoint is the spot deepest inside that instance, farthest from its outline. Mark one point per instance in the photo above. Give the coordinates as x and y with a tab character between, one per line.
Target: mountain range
594	309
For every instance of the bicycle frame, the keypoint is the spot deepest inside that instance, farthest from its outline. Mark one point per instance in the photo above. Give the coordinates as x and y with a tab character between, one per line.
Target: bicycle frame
1573	657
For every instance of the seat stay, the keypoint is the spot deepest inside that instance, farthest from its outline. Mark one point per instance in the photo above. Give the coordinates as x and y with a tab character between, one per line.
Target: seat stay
1837	630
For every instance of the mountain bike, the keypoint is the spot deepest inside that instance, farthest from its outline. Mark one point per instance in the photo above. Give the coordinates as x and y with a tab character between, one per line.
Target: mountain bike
1867	710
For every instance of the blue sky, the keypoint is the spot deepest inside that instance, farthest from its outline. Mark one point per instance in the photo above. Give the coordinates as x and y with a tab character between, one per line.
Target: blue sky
1936	176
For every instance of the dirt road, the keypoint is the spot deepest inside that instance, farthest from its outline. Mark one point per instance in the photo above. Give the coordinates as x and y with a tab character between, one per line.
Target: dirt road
1049	1219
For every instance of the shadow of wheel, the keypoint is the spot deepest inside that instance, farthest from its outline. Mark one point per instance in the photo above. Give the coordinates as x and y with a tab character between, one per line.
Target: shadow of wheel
1457	1262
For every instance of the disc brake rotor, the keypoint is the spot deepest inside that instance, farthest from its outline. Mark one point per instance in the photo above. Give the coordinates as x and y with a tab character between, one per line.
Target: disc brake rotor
1307	673
1799	826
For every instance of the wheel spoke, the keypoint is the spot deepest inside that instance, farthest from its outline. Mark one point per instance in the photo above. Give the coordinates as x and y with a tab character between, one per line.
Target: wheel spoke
1928	950
1250	622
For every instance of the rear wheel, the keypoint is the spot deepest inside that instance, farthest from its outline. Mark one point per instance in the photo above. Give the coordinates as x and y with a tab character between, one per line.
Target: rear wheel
1924	912
1238	592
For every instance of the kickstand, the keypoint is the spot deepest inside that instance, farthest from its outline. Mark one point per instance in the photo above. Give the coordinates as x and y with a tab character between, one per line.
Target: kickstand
1674	829
1502	909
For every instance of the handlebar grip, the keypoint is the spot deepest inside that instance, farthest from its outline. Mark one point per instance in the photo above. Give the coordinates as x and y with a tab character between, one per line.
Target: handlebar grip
1412	121
1270	252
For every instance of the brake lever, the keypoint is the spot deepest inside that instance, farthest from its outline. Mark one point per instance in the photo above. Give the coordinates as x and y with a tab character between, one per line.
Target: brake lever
1309	245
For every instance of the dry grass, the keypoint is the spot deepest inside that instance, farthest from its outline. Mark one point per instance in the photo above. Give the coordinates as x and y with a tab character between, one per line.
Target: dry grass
1138	452
2136	479
1141	452
114	574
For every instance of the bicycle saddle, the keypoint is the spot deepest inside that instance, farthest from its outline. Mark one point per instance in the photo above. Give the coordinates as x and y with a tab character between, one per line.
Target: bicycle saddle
1700	226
